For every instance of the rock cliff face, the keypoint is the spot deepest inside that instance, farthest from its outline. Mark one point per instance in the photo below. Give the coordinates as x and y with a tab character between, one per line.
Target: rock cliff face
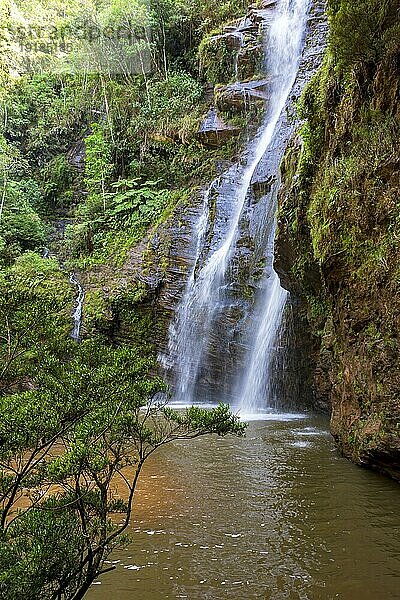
152	281
227	337
338	249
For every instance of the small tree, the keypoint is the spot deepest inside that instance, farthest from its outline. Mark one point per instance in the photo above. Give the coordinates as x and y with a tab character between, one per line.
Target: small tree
71	453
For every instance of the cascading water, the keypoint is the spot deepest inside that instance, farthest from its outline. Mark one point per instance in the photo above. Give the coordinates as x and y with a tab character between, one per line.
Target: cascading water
184	331
77	313
286	37
240	38
254	389
209	286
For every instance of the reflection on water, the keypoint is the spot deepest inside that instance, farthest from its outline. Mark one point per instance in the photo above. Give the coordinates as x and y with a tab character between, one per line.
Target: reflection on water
277	515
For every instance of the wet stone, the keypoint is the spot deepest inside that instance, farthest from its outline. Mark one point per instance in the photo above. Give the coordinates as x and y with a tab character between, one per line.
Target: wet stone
214	132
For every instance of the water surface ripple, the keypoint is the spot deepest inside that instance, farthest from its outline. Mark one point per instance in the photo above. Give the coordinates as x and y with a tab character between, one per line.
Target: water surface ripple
277	515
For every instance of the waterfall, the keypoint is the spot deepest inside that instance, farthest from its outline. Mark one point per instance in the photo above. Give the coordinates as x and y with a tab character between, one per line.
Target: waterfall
77	313
185	330
209	287
255	392
254	388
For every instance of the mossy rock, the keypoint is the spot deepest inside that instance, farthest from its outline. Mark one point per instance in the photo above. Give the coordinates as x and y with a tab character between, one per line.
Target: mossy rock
218	55
241	97
250	61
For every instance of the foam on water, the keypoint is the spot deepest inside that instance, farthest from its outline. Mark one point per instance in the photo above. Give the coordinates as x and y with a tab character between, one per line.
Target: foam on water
262	415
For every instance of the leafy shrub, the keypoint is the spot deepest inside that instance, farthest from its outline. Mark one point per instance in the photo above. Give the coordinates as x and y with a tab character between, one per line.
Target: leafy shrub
59	177
43	115
171	108
136	206
20	225
24	228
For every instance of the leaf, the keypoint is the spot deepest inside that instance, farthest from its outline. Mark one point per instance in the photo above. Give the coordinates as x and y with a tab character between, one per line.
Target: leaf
126	183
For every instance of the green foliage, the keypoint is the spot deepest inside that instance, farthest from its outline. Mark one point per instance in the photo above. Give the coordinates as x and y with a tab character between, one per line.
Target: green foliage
351	196
40	552
136	206
123	217
219	420
98	169
361	32
59	179
20	226
90	421
34	315
170	104
20	197
43	115
180	25
146	129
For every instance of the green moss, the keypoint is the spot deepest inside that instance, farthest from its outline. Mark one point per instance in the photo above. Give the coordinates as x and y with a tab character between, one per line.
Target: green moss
340	216
97	314
217	58
134	318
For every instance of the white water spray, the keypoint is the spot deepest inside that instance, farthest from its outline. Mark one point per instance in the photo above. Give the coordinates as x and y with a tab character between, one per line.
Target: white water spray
185	329
255	393
206	289
77	313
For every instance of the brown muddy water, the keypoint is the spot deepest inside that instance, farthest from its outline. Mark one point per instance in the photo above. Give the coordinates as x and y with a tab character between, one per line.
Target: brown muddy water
278	515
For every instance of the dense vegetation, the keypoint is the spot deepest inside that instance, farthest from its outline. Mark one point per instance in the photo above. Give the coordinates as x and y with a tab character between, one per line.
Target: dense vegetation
138	129
339	231
89	162
93	160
